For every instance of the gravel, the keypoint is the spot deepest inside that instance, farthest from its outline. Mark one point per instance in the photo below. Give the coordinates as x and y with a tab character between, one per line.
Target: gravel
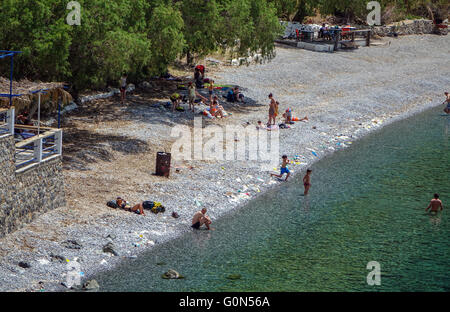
346	95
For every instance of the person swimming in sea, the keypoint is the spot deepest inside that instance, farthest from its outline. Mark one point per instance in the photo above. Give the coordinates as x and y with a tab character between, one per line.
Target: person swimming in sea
307	181
284	168
435	204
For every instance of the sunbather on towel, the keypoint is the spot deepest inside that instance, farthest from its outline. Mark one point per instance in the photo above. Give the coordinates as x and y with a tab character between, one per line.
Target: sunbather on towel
122	203
139	208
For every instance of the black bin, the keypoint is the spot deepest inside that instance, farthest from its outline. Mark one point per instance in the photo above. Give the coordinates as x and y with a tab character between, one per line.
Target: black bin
163	164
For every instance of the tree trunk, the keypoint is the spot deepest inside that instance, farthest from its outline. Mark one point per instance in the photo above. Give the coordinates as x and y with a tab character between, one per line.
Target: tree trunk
189	58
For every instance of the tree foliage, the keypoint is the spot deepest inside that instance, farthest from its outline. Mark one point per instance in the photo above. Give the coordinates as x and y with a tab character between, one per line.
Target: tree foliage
142	37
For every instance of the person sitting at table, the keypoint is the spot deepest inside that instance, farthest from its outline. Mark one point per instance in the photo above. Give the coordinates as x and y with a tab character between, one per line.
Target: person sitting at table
324	32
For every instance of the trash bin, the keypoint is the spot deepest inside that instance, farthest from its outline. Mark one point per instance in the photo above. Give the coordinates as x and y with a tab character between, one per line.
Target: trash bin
163	164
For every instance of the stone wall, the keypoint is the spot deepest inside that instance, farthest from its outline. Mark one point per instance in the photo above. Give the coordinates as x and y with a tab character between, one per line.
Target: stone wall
25	194
407	27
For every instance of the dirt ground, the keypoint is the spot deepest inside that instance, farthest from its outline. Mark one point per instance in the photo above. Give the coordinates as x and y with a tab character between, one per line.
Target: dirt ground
100	166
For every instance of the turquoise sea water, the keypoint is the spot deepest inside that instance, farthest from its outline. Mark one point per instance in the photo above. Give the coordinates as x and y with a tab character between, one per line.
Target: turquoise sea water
367	203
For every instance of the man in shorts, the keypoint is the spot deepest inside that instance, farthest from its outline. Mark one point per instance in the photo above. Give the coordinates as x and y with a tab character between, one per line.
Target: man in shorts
435	204
176	100
284	169
199	219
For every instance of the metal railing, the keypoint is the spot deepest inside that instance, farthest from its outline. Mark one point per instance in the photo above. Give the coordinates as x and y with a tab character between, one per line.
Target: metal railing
36	146
6	121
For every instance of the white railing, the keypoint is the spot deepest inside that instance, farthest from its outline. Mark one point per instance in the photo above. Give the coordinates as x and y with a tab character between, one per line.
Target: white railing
6	121
38	148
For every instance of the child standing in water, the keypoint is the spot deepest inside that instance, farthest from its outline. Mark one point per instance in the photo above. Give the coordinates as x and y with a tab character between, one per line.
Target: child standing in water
447	101
284	168
307	181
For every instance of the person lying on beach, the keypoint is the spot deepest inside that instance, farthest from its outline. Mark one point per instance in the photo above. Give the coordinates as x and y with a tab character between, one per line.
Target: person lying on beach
260	125
447	101
284	168
435	203
176	100
238	96
307	181
199	219
289	120
192	96
122	203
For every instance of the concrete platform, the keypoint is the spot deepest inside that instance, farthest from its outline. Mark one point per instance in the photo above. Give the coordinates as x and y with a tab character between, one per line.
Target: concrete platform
315	47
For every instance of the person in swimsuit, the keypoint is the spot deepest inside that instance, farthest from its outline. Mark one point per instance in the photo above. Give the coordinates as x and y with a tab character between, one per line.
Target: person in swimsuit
192	96
176	100
447	100
307	181
199	219
211	90
215	109
284	168
435	203
272	110
139	208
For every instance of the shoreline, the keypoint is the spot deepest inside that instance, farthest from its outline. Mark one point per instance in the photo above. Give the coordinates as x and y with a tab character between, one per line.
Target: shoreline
93	234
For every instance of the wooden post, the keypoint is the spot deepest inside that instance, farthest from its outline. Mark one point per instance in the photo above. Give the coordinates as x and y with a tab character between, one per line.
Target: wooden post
337	39
368	38
10	120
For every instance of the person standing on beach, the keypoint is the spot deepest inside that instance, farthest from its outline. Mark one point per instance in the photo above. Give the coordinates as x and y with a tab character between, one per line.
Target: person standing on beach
176	100
211	91
435	203
199	219
192	96
123	87
447	101
307	181
284	168
272	110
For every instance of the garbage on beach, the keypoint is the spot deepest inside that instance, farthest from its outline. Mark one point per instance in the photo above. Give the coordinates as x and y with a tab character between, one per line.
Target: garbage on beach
43	261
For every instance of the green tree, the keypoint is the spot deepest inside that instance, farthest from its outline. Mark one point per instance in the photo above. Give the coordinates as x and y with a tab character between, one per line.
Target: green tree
166	34
201	27
39	30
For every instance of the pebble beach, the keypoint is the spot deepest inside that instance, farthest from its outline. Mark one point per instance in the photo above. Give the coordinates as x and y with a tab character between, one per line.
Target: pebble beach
346	95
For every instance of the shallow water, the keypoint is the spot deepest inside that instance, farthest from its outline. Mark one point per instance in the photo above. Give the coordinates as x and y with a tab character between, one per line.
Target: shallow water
367	203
